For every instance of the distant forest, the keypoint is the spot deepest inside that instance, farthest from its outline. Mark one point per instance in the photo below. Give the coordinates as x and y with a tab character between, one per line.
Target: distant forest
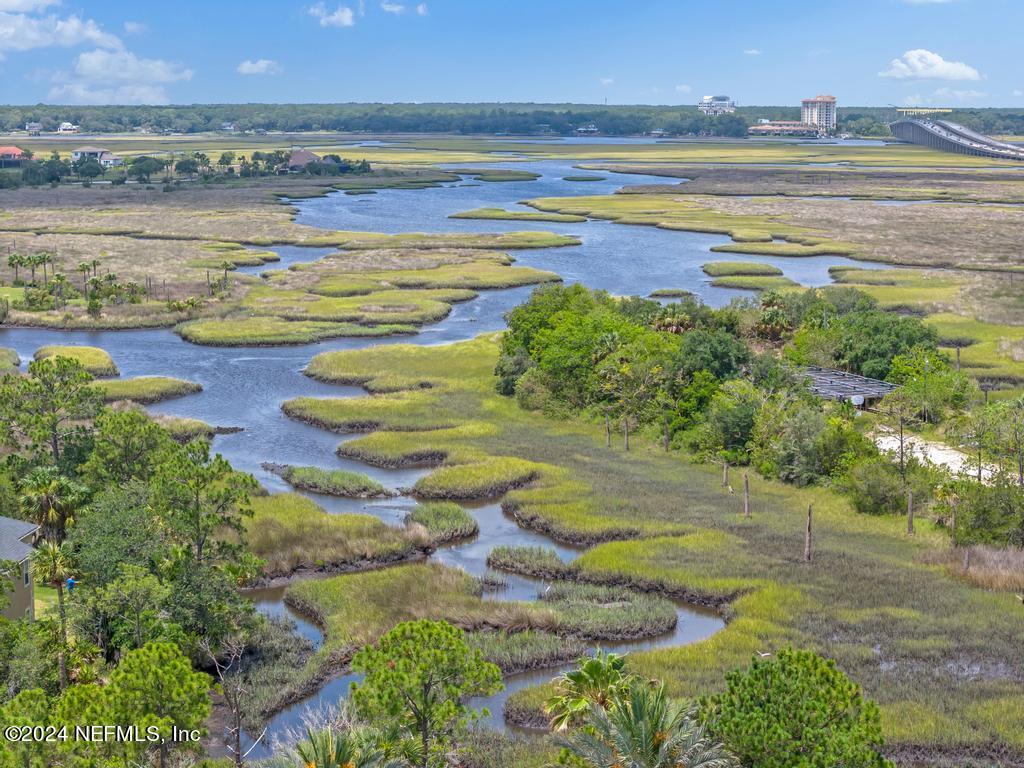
462	118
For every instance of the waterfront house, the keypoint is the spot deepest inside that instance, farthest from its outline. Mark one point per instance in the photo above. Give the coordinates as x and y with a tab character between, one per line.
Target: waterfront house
299	159
33	128
104	157
11	157
16	547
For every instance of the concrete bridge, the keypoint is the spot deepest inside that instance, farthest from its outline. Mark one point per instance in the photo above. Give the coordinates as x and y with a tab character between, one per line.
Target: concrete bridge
948	136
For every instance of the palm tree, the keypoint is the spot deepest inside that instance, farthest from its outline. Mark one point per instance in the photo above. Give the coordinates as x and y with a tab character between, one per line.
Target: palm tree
593	683
85	267
644	729
327	749
33	262
226	266
52	566
45	257
14	261
95	266
50	500
59	281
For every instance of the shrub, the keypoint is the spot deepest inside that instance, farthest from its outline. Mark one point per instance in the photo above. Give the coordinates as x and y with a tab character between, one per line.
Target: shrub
875	486
715	351
797	710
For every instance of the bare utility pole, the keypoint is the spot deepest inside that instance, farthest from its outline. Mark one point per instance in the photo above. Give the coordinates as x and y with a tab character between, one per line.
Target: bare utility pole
746	495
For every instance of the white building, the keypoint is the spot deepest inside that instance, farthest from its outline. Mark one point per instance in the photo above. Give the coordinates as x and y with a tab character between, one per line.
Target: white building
34	128
67	127
716	105
104	157
819	111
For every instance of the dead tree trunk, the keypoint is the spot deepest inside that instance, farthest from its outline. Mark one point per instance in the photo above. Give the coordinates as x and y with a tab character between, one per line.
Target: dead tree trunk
746	495
910	512
607	431
725	473
807	534
625	431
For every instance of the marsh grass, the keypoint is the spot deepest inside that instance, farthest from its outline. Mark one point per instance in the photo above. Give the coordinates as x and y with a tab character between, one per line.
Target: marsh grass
753	282
520	651
95	360
497	475
9	360
539	562
751	233
599	612
333	482
291	532
257	331
502	174
444	521
184	429
731	268
997	569
147	389
505	215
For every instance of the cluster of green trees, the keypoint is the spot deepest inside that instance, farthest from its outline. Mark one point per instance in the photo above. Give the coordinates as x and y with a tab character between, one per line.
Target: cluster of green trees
725	384
461	118
143	168
45	291
378	118
791	710
140	537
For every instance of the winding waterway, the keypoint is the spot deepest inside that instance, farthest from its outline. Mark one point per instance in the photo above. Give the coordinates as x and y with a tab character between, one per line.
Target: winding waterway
245	386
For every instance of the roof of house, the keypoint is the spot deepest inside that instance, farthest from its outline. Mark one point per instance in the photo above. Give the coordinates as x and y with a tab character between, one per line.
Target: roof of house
821	97
12	150
301	157
11	534
91	149
840	385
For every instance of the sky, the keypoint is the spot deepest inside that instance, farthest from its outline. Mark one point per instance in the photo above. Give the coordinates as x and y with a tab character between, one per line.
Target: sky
866	52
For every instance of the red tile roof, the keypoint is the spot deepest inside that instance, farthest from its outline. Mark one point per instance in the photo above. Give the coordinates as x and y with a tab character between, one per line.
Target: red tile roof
16	151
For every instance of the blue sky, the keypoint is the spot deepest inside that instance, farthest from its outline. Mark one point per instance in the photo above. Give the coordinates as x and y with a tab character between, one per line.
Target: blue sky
866	52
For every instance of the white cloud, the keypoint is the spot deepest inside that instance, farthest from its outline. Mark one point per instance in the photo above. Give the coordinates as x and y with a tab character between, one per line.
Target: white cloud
134	27
607	81
259	67
26	5
116	77
959	95
101	65
683	88
752	51
342	16
924	64
86	93
21	32
1018	92
421	9
395	8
